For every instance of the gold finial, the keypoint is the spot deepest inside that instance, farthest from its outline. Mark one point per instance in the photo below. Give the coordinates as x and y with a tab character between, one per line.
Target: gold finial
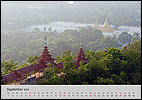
106	22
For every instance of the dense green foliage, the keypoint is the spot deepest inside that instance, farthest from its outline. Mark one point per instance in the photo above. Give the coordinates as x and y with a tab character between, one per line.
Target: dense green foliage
19	45
113	67
8	66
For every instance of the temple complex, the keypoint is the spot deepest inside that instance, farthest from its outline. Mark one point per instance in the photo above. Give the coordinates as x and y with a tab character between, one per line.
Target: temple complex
80	57
105	28
20	76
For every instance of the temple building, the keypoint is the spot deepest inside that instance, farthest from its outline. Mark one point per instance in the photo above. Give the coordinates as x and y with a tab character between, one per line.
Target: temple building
105	28
80	57
19	76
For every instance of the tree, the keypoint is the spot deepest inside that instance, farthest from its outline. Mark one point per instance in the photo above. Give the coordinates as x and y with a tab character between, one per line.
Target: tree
51	78
115	61
124	76
136	78
49	29
103	81
42	82
67	60
44	28
55	80
118	80
136	36
48	72
109	41
31	59
8	66
124	37
134	51
91	34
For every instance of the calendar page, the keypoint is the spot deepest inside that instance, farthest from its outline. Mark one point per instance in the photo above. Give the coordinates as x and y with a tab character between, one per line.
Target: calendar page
70	49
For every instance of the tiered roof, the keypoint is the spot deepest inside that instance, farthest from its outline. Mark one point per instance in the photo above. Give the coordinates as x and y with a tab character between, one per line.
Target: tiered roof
80	57
44	58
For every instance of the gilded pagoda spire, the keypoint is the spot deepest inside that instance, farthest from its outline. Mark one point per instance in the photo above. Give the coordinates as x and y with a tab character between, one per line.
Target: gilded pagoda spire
106	22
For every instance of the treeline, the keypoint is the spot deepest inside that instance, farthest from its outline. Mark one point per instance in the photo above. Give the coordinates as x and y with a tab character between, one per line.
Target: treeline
115	67
19	45
111	68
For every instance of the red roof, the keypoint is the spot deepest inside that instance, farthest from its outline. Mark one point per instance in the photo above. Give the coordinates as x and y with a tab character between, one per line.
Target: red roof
40	66
1	76
25	70
84	59
45	57
11	76
80	57
22	71
76	64
59	65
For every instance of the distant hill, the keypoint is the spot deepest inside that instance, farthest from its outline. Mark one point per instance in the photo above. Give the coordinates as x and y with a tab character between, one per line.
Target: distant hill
18	14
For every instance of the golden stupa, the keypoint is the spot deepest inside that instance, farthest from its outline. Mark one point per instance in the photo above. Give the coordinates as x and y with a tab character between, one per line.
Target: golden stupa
105	28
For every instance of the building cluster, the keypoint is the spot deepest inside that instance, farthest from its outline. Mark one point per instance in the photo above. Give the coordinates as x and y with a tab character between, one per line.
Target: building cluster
105	28
20	76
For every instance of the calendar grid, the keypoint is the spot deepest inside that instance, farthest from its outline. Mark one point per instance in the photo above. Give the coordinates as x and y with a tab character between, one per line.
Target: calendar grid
71	92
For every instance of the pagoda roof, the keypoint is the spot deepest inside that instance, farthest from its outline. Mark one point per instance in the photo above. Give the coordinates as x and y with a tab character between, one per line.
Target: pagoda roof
84	59
45	57
76	64
59	65
80	57
80	52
